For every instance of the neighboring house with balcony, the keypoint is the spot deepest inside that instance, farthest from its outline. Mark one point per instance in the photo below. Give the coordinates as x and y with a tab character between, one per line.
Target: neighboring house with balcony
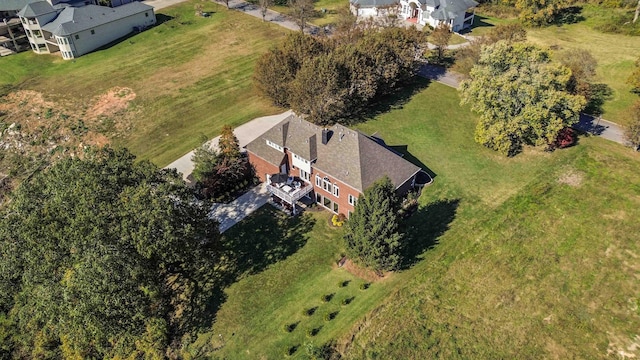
332	166
78	30
458	14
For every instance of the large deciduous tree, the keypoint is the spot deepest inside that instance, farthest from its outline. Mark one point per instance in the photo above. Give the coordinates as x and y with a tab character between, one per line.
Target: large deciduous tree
440	37
538	12
634	78
467	57
372	234
301	11
97	257
633	130
521	97
204	160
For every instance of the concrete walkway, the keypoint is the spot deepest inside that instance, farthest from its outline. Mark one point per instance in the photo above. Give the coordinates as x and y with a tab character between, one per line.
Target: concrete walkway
588	123
232	213
271	16
161	4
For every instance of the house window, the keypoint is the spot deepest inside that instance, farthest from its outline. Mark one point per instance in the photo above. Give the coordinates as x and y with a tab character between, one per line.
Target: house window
327	203
28	32
93	32
352	200
336	191
318	198
318	181
349	214
275	146
24	21
326	185
146	14
335	207
305	175
37	33
77	36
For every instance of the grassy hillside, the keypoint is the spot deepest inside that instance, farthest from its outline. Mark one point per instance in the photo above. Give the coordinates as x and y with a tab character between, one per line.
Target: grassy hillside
549	271
191	75
533	256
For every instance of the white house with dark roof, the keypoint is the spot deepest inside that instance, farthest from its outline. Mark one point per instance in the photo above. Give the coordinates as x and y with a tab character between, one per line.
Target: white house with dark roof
78	30
458	14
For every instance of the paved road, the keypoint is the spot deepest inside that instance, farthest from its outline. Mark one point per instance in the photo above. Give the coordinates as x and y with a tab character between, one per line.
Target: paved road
590	124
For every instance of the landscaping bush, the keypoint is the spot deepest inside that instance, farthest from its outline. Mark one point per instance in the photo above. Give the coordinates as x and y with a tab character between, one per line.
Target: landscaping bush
330	316
312	332
326	298
364	286
290	350
309	311
289	327
335	220
346	301
344	283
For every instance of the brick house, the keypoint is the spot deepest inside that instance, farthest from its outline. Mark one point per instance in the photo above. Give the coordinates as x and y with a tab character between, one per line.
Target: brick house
333	166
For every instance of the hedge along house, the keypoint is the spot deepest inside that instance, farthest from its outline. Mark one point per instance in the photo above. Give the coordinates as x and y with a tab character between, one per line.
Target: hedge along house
78	30
333	166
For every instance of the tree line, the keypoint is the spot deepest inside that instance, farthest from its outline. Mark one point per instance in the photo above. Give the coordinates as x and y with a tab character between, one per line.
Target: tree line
337	78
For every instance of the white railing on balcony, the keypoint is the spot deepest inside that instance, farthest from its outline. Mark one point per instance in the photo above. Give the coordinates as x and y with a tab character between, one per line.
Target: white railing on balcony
290	196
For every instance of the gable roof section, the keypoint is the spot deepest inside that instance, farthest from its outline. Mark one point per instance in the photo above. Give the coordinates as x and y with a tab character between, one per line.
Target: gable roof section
13	5
373	3
35	9
72	20
349	156
449	9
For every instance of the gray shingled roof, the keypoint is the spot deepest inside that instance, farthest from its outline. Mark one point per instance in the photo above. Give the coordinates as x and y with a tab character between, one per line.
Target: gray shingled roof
373	3
36	9
14	5
348	156
72	20
448	9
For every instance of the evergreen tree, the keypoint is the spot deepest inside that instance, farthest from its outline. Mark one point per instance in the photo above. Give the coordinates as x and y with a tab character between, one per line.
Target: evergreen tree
228	145
204	160
372	230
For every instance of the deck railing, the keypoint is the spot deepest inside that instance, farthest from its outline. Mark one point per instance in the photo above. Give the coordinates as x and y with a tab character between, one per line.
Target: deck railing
293	196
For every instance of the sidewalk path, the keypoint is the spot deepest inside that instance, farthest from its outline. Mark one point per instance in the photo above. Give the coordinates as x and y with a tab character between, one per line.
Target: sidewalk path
232	213
588	123
161	4
271	16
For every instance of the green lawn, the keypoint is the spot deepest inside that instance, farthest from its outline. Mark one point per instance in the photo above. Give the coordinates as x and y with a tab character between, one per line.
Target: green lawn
275	294
191	75
532	256
615	53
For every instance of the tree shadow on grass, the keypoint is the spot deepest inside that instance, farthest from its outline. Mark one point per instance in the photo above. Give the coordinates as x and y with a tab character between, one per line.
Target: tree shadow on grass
262	239
386	103
425	227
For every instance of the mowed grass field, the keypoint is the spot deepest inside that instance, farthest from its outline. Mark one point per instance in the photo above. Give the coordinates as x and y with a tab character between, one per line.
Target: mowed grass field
528	257
540	258
191	75
615	53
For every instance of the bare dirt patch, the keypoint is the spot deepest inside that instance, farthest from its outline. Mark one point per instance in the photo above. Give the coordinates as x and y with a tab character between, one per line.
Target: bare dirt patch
572	178
112	102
